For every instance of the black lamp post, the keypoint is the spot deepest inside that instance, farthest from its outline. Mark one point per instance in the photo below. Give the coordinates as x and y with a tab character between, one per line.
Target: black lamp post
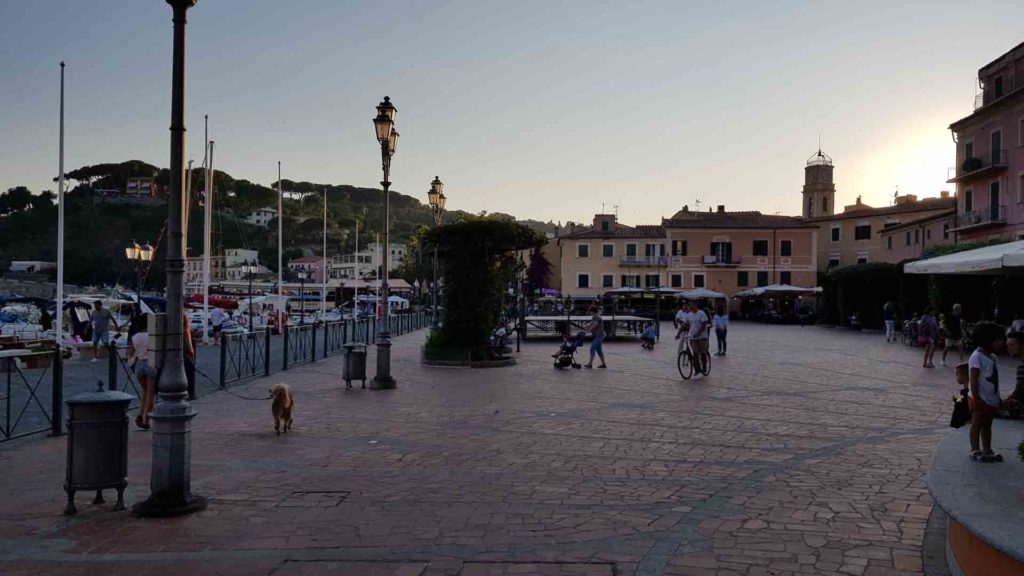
387	137
249	270
437	199
171	473
139	254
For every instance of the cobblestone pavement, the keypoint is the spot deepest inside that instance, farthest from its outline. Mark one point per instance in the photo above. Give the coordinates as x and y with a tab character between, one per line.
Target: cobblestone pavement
802	453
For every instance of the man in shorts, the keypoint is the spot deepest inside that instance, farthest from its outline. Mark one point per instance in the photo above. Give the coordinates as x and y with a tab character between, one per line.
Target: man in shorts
954	333
696	323
217	322
101	321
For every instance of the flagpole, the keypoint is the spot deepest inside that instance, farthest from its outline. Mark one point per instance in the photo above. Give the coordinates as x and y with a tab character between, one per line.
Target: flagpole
323	272
60	221
355	295
280	270
207	235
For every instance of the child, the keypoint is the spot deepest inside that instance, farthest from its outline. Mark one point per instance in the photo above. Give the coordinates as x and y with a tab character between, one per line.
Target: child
648	337
721	323
984	385
961	411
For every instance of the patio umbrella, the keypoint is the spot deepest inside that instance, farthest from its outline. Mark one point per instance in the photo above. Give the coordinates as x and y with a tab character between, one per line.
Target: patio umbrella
697	293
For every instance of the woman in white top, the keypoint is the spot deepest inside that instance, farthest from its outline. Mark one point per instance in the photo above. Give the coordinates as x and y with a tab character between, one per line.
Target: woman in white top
721	323
142	361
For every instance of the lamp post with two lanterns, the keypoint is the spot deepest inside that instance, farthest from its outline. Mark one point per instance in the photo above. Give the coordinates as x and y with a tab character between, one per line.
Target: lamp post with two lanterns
387	137
250	269
139	254
437	199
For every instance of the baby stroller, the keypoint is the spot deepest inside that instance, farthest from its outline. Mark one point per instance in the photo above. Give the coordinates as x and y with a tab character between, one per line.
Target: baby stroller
566	355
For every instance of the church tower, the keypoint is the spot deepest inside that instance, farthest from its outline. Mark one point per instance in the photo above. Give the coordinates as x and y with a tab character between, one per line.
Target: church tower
819	189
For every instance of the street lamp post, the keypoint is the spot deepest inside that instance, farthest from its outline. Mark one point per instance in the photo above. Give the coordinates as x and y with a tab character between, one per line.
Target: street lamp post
171	473
387	136
139	254
302	296
249	270
437	199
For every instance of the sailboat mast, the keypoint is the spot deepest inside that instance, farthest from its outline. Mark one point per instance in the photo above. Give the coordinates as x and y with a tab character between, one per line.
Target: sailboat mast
323	271
60	220
280	228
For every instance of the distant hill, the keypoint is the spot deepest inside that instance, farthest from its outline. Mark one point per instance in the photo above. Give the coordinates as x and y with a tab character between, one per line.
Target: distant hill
98	227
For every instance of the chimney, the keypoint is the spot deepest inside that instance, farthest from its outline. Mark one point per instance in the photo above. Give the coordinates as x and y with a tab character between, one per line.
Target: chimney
944	194
721	208
686	208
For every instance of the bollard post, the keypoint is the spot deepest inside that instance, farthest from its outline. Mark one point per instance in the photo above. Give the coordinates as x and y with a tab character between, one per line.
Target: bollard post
266	352
312	342
223	360
326	338
112	366
57	395
284	365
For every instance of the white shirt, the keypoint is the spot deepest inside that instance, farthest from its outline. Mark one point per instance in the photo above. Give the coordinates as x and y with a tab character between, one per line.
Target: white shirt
216	317
696	321
681	316
1017	325
988	379
140	341
721	322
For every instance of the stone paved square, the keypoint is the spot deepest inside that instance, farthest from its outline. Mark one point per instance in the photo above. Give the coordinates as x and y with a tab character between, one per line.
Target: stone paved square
802	453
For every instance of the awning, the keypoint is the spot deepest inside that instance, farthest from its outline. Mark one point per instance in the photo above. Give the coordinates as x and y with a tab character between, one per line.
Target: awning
776	290
702	293
1005	258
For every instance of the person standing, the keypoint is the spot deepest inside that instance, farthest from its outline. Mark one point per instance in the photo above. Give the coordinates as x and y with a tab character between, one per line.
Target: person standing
927	331
217	322
101	321
143	363
697	325
596	329
680	316
889	315
721	323
984	385
954	333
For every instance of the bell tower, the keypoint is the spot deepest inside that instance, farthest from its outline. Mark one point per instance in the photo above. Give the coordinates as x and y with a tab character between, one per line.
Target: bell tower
819	192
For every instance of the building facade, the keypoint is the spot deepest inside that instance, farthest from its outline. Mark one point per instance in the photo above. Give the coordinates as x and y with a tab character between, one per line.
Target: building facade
989	171
909	240
261	216
313	266
194	269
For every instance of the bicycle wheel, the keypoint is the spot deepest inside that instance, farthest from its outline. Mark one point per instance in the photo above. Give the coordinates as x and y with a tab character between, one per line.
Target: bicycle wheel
684	362
705	363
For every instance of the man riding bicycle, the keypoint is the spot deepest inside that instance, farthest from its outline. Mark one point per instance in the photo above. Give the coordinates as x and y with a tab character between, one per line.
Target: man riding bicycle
696	325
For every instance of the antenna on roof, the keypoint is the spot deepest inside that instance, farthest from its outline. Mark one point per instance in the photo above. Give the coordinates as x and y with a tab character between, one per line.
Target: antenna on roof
896	194
602	207
616	207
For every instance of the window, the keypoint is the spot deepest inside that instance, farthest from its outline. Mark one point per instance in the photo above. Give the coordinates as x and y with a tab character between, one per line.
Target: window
583	250
862	259
824	205
607	280
787	248
650	249
1020	185
630	249
682	247
679	247
630	280
969	149
862	232
762	278
608	250
833	262
908	237
945	230
722	251
835	232
675	247
604	226
917	237
583	280
968	201
928	234
652	280
760	247
1020	132
785	277
888	243
999	87
698	279
742	278
677	280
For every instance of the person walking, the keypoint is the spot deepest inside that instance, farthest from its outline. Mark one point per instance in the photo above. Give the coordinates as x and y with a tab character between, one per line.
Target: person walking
189	350
596	329
889	315
954	333
45	320
721	323
101	321
697	325
927	331
217	322
143	363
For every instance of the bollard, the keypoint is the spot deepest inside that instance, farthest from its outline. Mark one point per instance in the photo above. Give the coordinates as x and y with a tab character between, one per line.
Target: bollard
312	343
112	366
326	338
223	361
266	352
57	394
284	366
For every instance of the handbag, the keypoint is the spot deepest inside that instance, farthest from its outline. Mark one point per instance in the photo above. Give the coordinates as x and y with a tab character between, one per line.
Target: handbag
961	410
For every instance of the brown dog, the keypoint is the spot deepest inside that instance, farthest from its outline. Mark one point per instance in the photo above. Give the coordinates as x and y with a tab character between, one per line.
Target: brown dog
282	408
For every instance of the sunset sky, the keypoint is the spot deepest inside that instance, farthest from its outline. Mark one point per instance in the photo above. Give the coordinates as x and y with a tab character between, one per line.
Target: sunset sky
540	109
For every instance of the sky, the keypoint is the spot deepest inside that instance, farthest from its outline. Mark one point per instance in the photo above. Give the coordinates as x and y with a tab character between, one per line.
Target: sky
547	109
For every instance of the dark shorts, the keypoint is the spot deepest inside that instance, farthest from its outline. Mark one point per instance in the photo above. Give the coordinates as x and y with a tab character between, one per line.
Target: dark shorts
217	329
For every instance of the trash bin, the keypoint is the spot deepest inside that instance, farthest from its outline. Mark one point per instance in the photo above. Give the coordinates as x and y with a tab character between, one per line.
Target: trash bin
97	445
355	364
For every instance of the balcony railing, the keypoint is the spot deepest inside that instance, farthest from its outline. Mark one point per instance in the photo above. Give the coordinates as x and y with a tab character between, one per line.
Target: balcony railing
977	165
992	215
643	261
717	260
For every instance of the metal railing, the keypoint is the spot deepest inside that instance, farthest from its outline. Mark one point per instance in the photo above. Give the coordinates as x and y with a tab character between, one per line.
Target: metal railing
22	395
334	337
244	356
994	159
299	345
992	214
720	260
643	260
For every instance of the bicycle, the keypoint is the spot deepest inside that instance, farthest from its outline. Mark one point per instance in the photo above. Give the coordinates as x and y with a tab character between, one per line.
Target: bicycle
684	361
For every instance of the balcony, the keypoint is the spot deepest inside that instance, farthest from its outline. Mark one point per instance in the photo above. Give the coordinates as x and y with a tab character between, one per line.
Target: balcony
994	215
977	166
719	261
642	261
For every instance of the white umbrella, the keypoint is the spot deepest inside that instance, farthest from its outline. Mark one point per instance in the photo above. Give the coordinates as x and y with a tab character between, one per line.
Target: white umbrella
993	260
702	293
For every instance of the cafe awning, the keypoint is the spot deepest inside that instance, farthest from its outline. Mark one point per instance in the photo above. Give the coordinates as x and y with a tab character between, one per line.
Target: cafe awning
998	259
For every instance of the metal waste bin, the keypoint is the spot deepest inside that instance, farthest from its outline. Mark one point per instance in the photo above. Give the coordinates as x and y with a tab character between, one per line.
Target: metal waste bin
355	364
97	445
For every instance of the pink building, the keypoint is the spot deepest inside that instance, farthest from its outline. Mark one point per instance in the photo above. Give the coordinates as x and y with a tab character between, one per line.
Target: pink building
312	265
989	171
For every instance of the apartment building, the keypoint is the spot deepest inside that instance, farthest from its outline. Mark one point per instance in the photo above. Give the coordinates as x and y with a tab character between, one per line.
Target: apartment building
909	240
723	251
852	236
989	171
